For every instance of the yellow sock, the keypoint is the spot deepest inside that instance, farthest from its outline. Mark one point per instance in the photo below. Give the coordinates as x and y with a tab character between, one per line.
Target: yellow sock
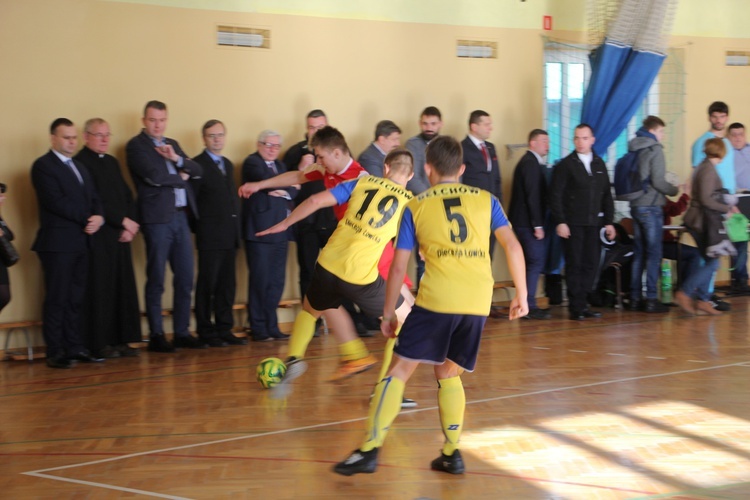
353	349
384	407
452	403
387	355
302	334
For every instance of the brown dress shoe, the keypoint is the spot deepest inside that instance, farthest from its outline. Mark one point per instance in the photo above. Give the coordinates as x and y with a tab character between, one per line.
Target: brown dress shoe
685	302
703	307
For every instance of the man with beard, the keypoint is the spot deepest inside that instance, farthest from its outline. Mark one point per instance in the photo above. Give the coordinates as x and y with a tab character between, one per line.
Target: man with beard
430	123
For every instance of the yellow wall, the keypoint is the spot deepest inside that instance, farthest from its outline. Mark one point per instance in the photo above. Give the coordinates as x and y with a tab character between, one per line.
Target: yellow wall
359	61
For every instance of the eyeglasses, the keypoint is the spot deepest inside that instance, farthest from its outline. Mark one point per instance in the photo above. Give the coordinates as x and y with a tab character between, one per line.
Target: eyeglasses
270	145
215	136
100	136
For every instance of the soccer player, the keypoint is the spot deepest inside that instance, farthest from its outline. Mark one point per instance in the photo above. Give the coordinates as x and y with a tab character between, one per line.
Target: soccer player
452	223
333	166
347	267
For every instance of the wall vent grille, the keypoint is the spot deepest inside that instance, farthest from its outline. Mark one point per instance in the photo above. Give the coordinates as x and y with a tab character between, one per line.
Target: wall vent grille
737	58
237	36
476	49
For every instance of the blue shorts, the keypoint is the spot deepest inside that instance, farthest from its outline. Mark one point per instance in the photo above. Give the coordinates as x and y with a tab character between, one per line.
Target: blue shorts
431	337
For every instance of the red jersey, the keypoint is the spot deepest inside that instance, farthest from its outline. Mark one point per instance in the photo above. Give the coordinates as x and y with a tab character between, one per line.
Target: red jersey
352	171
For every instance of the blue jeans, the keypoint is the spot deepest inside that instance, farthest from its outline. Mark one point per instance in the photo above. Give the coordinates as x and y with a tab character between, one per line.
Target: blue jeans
697	284
739	263
170	242
647	225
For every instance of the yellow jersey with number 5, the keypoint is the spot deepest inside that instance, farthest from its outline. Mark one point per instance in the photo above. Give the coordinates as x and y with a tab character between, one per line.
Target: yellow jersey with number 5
453	223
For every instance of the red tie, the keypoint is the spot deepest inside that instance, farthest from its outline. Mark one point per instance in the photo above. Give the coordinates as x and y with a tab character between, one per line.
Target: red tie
485	156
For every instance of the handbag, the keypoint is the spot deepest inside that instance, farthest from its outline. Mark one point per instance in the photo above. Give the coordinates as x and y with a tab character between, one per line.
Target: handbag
737	228
8	253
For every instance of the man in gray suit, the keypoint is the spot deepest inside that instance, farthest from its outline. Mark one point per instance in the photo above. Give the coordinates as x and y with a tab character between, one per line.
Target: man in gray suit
387	138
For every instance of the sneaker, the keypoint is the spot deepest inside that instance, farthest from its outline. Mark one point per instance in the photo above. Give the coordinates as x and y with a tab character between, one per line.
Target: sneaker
358	462
718	304
703	308
189	342
408	403
349	368
452	464
294	369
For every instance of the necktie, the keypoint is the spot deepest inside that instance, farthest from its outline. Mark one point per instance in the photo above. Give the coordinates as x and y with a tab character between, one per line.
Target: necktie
220	164
486	157
75	171
272	166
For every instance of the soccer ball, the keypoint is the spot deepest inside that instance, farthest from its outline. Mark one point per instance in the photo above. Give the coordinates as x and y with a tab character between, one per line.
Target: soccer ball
270	371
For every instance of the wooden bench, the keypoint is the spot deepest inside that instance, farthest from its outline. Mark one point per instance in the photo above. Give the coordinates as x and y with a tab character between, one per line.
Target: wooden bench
505	286
20	326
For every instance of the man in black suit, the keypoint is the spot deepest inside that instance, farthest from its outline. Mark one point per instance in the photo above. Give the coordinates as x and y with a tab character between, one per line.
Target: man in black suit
387	138
161	170
266	255
528	205
581	203
69	213
480	158
217	236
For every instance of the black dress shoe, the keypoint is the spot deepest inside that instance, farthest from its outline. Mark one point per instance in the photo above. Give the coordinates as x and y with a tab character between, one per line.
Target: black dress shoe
158	343
277	335
588	313
654	306
262	338
537	313
576	316
189	342
59	362
230	339
634	305
213	341
85	357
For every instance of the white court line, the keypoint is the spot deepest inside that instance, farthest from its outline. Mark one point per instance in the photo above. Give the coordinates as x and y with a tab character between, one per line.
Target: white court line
41	472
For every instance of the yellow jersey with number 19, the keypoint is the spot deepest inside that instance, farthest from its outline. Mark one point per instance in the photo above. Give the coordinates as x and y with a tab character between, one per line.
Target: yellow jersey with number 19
370	221
452	224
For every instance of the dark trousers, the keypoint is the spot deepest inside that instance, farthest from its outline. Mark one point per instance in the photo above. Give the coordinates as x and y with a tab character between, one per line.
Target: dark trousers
535	254
169	242
267	265
582	252
214	292
65	286
309	242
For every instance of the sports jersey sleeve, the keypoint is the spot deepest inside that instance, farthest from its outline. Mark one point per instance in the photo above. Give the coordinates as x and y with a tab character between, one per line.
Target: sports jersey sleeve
407	239
498	215
314	174
343	191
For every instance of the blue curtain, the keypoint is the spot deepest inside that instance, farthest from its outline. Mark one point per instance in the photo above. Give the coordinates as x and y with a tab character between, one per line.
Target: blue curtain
620	79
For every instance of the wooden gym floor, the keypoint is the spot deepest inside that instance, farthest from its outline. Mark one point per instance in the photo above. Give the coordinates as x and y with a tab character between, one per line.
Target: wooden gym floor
631	406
